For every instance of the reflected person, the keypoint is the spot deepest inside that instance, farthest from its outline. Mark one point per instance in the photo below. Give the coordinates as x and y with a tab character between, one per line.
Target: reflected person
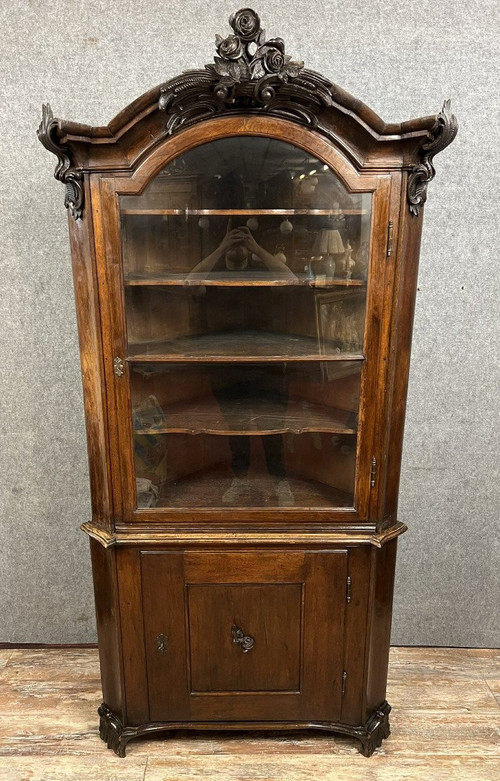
235	254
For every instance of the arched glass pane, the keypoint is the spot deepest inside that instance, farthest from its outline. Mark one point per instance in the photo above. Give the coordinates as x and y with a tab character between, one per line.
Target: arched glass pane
245	265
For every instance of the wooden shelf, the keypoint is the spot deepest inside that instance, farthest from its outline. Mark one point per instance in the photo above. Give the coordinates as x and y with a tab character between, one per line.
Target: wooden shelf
242	212
205	489
235	279
237	346
252	416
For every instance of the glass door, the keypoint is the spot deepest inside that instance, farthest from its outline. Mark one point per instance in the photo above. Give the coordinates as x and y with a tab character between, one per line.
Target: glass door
245	273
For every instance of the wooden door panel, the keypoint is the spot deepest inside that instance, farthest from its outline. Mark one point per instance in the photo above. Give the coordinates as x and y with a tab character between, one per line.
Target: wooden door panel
225	641
245	637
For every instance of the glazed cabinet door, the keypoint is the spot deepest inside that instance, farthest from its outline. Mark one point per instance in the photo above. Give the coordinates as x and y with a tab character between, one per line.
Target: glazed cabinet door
244	635
247	295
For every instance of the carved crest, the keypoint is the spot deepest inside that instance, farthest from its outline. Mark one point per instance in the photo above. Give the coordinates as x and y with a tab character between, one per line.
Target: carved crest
443	134
249	73
236	62
65	173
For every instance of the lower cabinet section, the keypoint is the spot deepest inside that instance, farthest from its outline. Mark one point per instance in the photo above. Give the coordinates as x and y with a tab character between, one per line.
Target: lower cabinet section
244	635
235	638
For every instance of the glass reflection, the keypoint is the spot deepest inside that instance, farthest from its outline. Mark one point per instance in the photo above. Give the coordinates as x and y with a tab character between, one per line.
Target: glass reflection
246	263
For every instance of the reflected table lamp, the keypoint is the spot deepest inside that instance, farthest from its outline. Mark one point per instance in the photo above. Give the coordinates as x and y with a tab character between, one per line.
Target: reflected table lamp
327	244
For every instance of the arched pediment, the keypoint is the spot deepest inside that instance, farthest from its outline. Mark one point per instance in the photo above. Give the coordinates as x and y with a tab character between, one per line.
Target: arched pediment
251	74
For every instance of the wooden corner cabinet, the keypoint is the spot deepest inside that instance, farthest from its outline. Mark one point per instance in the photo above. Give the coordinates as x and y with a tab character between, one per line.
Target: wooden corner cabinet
245	245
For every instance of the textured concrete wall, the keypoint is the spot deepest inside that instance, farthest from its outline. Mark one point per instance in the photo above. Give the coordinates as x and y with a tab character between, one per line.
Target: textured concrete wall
402	58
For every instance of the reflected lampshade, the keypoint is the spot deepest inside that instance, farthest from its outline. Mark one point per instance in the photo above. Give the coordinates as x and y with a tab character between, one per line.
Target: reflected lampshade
328	242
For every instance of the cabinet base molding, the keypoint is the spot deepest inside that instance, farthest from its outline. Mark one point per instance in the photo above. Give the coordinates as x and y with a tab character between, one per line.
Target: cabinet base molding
370	735
234	536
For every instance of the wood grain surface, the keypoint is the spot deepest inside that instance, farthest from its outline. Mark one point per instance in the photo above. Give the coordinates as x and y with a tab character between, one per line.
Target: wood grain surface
445	725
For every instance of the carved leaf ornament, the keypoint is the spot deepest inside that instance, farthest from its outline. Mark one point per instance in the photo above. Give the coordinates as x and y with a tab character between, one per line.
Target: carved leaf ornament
445	131
65	173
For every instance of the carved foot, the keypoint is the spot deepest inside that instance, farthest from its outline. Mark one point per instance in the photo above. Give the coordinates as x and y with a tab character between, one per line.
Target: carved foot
112	731
376	729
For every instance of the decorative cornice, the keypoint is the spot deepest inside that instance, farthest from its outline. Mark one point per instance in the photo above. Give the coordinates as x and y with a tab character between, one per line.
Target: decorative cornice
249	73
440	137
65	172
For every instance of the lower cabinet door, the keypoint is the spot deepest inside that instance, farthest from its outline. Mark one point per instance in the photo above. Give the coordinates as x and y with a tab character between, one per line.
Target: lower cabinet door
244	636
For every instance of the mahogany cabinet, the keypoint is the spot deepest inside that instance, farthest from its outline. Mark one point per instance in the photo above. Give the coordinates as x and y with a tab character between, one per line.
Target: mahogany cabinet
245	244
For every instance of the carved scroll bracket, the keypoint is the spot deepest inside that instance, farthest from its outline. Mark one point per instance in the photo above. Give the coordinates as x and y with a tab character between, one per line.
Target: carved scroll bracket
65	172
249	73
440	137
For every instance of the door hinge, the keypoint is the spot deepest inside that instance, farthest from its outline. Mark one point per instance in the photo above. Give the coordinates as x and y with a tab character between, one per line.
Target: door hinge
390	230
348	590
373	471
344	679
118	366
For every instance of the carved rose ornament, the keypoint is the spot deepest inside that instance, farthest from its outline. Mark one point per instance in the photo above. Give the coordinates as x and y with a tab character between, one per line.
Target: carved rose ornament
236	62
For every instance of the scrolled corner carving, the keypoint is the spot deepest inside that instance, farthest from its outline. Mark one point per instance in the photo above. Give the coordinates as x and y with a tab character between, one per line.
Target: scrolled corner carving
249	73
65	172
441	136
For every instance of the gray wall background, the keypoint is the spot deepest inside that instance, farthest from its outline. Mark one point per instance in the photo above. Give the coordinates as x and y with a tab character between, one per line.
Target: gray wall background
402	58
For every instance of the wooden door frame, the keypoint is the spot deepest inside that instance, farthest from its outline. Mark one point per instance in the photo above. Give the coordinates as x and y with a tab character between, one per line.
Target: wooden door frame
105	193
